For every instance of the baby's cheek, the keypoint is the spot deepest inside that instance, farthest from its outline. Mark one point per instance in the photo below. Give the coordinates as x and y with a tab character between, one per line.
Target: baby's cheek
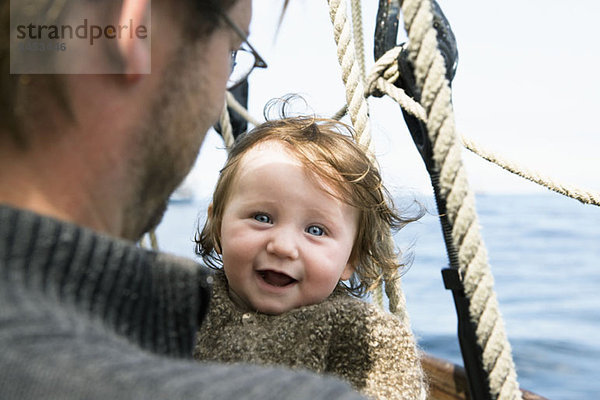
323	284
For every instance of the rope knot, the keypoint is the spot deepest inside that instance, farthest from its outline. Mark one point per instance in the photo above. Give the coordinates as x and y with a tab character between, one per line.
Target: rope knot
386	67
382	78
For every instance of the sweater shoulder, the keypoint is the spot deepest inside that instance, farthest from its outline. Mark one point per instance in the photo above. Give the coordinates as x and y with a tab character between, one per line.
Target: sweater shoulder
375	351
357	311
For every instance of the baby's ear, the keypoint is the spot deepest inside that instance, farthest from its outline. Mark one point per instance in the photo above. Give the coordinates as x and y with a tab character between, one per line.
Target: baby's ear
350	267
347	272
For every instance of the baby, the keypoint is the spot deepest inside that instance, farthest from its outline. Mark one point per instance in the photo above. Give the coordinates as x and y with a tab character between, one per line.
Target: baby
298	223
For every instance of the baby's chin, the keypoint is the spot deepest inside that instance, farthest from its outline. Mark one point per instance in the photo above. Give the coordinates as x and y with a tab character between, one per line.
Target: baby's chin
264	307
271	308
268	306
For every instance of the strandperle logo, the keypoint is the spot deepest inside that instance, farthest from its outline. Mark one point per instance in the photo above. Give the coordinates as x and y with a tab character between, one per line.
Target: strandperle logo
81	39
82	31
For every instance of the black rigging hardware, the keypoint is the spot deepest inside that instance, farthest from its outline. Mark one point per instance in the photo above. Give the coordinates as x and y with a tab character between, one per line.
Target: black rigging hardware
386	32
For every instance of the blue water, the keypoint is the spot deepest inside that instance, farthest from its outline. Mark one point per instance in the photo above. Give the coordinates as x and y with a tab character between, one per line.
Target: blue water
544	251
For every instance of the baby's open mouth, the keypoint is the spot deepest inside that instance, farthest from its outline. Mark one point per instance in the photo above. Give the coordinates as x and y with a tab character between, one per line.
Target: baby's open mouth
276	278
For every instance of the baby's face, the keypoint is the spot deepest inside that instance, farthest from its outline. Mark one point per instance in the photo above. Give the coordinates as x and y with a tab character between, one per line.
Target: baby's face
285	242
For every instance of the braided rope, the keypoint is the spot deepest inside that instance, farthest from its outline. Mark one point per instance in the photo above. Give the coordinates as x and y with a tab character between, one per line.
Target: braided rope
357	103
584	196
380	80
226	128
395	295
340	113
359	114
153	240
377	294
359	44
240	109
393	289
151	235
472	255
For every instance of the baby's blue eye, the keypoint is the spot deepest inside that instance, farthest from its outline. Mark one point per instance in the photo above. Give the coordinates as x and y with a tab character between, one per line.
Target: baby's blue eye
315	230
264	218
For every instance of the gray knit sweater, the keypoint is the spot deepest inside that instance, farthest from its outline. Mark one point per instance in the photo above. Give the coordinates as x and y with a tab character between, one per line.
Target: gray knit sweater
342	336
86	316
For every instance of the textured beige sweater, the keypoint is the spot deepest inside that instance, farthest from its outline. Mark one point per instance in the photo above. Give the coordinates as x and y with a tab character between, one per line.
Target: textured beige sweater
342	336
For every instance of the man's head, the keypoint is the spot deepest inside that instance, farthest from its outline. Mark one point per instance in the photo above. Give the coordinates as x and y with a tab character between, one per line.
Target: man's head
191	99
107	150
325	149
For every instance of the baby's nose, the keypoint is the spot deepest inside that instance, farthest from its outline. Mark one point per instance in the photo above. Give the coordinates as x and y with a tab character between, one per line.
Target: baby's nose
283	243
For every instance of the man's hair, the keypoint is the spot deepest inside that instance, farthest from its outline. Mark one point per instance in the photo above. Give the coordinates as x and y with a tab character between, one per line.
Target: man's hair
208	14
15	92
326	148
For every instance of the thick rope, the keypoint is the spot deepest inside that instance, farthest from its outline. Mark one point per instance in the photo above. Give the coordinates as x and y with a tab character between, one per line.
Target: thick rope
472	256
380	80
377	294
395	295
355	98
359	43
359	114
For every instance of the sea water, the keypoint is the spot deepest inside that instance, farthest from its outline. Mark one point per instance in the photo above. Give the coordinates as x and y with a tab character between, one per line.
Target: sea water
544	252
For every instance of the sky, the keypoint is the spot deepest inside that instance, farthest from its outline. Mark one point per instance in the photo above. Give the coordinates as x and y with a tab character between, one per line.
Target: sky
527	87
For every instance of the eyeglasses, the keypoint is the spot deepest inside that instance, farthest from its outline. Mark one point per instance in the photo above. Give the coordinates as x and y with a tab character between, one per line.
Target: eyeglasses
243	61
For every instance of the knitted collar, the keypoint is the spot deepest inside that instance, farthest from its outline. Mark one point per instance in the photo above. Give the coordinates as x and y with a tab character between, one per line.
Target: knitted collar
154	299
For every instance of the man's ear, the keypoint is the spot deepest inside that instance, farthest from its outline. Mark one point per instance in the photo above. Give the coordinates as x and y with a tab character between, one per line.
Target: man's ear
134	42
211	220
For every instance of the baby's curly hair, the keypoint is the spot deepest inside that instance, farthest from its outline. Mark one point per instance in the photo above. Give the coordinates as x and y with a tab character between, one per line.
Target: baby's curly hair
326	148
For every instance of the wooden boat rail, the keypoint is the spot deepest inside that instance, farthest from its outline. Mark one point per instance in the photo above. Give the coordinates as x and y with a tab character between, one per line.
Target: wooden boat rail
448	381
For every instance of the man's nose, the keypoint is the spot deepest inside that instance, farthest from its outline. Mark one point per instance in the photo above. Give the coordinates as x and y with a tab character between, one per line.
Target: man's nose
283	243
